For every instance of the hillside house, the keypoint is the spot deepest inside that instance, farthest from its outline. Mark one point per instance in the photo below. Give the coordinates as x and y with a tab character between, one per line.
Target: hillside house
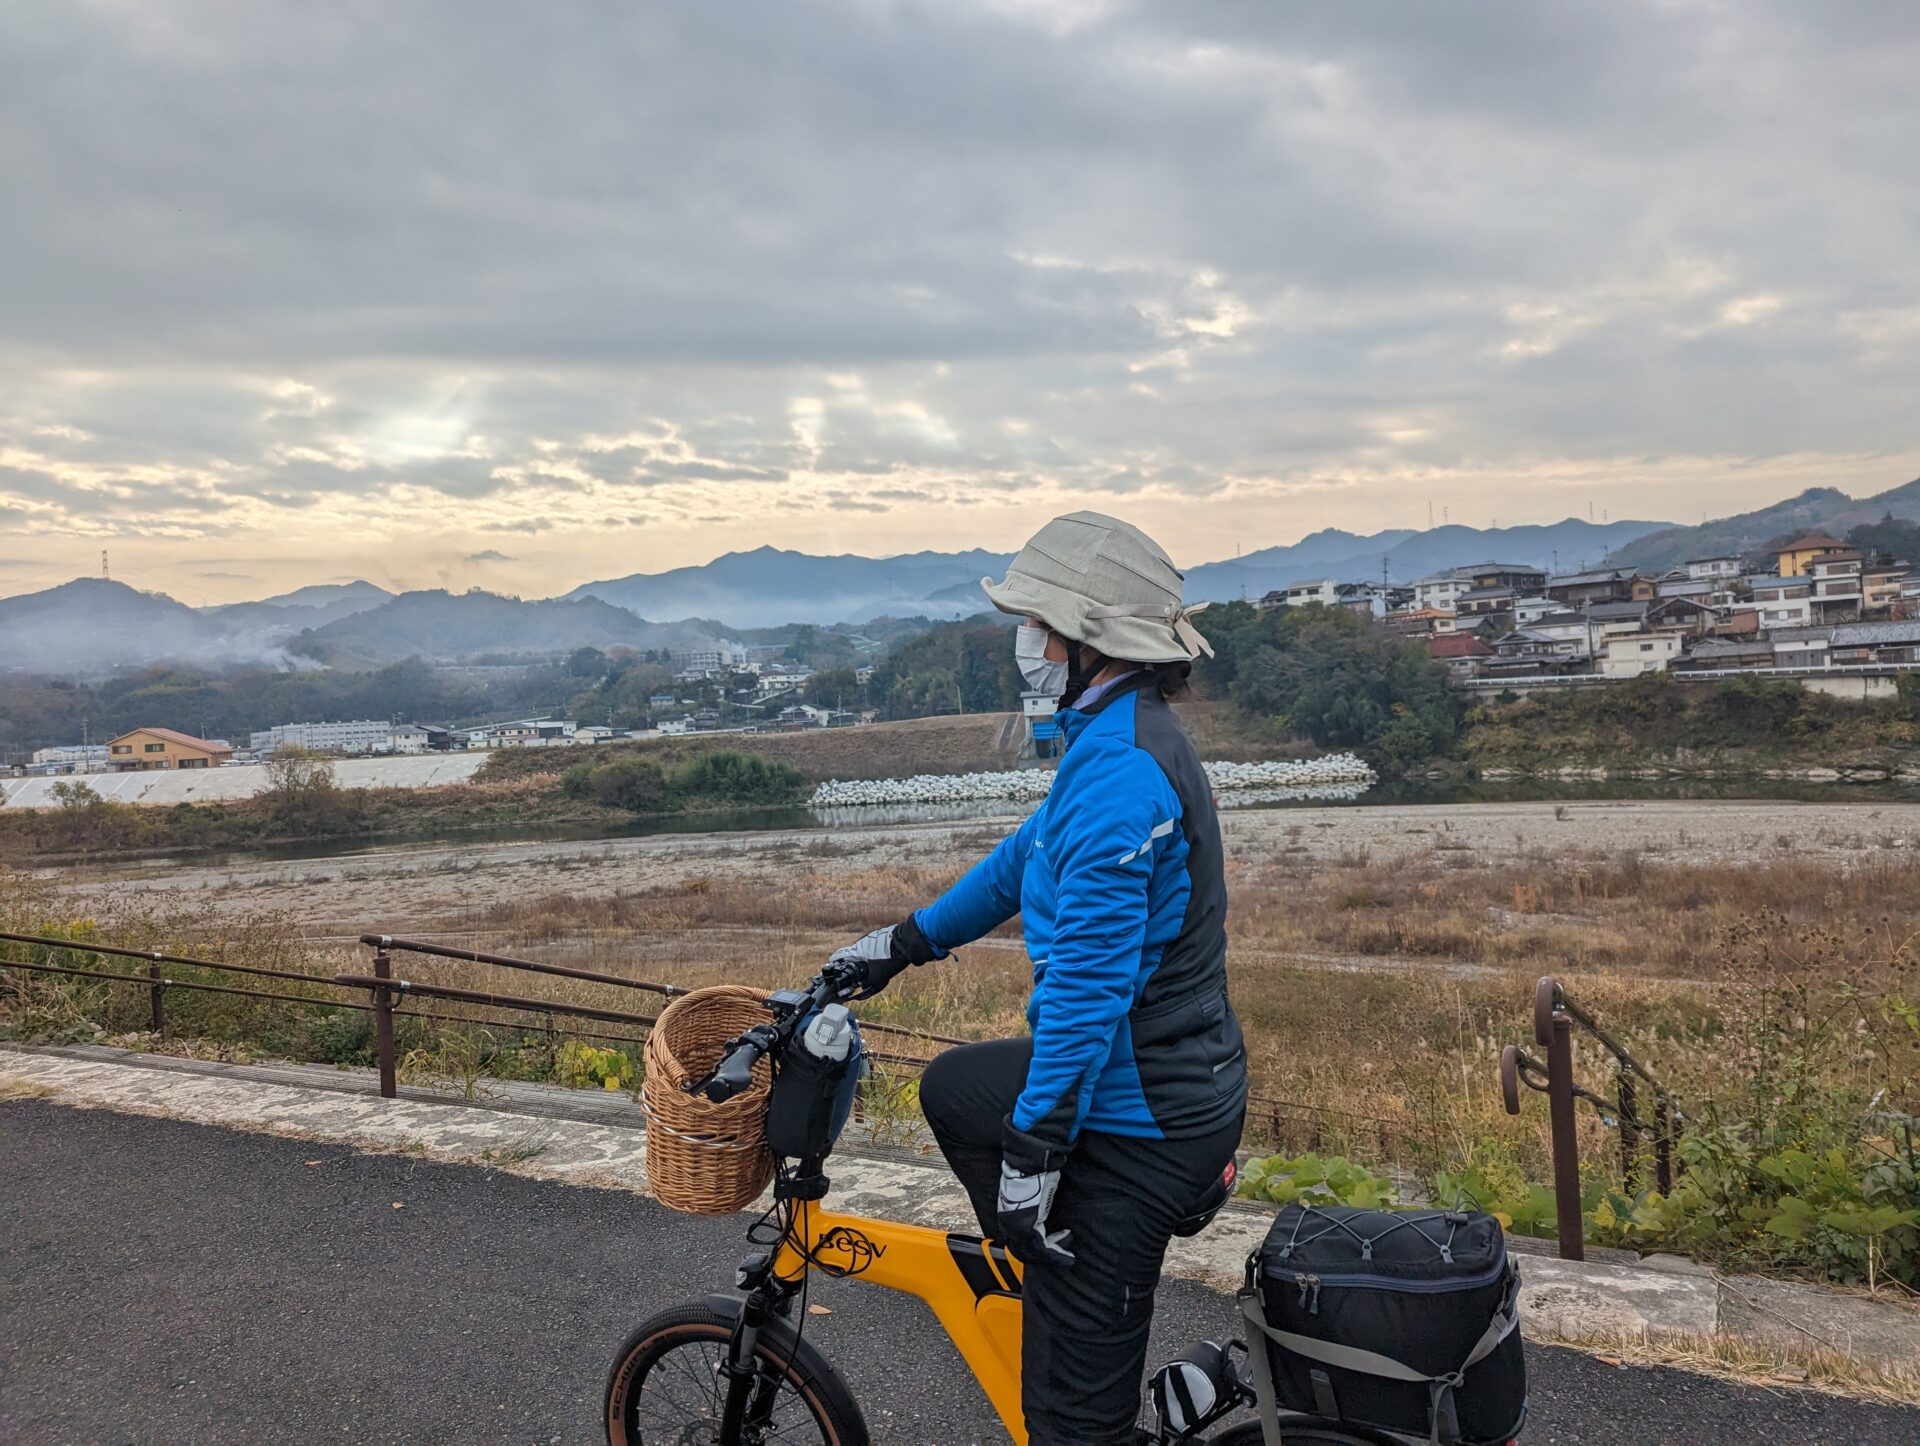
1682	614
1721	569
1494	598
1462	653
1440	591
1782	602
1421	622
1609	619
1324	591
1795	557
1720	654
1801	647
1524	580
1529	610
1679	583
1836	585
146	750
1737	623
1880	587
1875	643
1628	655
1574	630
1601	585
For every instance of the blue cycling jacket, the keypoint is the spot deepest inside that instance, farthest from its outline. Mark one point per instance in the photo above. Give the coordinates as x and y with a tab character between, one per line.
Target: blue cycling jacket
1117	877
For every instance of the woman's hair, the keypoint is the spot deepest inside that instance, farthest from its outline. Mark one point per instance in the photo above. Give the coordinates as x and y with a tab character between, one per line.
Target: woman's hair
1171	678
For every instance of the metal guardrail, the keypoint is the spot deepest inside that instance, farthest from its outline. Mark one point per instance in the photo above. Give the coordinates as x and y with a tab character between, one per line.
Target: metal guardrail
1554	1017
386	994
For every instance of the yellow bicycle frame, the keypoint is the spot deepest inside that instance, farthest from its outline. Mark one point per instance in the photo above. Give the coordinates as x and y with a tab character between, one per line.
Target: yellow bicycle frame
973	1286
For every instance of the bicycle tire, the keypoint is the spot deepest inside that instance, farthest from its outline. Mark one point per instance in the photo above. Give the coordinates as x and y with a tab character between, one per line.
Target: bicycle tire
703	1329
1301	1431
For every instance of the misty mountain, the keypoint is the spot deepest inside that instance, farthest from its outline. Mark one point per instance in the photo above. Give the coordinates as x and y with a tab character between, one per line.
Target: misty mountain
444	625
339	599
769	586
91	624
1407	555
1826	509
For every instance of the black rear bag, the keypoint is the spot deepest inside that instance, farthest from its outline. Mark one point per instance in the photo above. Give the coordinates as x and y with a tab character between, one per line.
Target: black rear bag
1347	1294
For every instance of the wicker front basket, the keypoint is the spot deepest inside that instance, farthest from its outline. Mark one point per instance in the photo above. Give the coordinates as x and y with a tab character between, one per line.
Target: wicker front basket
705	1158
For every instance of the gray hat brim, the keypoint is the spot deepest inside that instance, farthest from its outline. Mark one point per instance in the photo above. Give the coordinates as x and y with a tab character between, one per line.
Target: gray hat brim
1128	640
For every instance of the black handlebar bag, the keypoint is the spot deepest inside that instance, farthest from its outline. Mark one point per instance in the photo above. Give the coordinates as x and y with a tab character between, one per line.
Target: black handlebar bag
1401	1320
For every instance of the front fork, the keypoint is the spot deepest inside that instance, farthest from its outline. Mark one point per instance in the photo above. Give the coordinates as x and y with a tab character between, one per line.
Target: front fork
752	1386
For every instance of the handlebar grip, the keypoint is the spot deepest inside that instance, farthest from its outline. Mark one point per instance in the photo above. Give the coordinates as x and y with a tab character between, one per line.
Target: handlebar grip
734	1074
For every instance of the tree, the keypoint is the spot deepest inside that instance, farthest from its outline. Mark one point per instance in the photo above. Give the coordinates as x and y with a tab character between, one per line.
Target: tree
587	663
76	796
1333	676
837	688
1891	539
303	796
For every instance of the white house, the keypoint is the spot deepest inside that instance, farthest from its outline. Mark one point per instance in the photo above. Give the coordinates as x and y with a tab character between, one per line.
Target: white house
1627	655
1782	602
1714	569
1529	610
1801	647
1325	592
1440	590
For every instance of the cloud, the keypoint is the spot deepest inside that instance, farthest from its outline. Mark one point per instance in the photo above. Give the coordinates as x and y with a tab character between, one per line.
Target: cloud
226	576
1248	269
488	555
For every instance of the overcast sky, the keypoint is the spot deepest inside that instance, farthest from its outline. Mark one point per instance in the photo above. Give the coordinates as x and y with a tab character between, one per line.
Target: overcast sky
524	294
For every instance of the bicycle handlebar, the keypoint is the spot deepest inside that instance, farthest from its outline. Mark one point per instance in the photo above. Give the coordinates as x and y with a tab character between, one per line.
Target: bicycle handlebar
734	1072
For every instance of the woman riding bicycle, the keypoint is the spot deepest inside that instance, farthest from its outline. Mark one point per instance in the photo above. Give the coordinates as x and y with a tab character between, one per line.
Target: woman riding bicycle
1082	1146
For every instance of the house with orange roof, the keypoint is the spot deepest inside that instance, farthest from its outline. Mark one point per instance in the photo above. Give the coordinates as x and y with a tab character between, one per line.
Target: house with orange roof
150	749
1797	555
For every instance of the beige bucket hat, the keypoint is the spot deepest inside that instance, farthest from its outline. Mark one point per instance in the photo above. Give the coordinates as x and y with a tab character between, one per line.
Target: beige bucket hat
1105	583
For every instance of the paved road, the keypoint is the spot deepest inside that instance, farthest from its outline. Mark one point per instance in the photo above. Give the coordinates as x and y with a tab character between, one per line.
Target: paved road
165	1282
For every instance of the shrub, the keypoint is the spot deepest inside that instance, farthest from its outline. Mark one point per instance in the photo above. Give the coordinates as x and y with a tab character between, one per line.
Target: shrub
635	784
736	778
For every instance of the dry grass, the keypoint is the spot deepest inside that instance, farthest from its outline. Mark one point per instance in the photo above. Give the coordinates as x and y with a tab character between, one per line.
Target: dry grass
1761	1363
1376	994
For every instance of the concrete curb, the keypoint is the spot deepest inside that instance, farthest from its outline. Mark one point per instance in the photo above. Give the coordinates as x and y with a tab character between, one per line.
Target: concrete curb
531	1134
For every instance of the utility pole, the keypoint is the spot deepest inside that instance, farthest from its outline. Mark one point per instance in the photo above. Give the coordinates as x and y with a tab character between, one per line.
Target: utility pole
103	564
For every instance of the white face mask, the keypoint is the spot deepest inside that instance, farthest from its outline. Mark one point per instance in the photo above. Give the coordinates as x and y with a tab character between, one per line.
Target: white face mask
1043	675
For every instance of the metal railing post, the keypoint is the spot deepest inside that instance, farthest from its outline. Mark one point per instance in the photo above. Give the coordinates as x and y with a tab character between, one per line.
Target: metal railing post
1554	1030
156	996
1663	1146
383	1021
1629	1129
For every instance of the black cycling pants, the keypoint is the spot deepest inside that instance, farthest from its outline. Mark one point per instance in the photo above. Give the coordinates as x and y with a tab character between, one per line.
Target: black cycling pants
1084	1328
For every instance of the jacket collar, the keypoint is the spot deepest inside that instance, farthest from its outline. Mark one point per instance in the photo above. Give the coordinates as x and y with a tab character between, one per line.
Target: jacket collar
1074	721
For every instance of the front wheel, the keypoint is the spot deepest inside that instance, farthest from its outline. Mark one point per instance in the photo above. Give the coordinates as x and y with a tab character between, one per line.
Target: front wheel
666	1387
1301	1431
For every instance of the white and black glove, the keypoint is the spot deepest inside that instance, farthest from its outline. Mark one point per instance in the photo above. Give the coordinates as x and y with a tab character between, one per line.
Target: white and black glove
884	953
1029	1179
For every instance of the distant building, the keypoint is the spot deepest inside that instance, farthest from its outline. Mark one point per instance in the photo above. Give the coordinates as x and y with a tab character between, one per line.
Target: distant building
1883	643
71	758
526	733
1796	555
146	750
1801	647
1324	591
1714	569
1782	602
363	735
1600	585
1439	591
1461	652
1628	655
